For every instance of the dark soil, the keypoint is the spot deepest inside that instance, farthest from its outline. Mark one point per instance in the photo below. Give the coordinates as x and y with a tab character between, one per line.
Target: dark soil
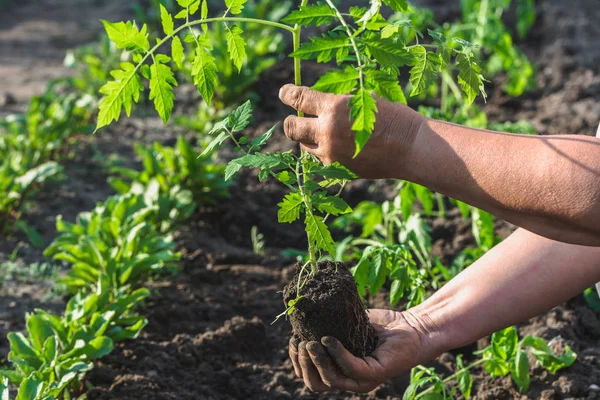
330	306
209	335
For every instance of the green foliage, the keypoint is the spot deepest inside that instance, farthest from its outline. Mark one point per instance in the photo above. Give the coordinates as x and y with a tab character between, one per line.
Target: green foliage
389	246
506	355
173	167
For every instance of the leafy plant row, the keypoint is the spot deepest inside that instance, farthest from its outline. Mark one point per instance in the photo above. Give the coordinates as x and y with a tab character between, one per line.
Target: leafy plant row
113	250
30	145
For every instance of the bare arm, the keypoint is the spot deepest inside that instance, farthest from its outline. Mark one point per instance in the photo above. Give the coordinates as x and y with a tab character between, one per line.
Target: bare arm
549	185
523	276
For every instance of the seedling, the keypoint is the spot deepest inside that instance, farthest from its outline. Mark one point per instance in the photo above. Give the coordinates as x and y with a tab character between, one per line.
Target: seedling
506	355
369	52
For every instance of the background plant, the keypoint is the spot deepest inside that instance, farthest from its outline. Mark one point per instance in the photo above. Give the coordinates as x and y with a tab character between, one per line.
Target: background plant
505	355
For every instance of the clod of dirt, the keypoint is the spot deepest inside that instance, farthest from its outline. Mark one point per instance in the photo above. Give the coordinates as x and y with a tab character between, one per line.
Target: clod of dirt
331	306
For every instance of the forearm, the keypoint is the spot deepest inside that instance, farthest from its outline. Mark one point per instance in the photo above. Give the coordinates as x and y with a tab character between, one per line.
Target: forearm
522	277
549	185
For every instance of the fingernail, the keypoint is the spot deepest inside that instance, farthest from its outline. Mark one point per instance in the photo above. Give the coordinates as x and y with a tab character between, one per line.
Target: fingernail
314	348
329	342
302	346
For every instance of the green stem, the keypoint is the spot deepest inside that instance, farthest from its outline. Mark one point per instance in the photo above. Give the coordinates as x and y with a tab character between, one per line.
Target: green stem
340	17
452	377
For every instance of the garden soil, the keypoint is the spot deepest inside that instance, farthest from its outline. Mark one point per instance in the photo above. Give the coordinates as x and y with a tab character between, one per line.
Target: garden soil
210	334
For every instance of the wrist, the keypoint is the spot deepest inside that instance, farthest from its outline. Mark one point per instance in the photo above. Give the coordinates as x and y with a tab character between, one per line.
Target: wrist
430	321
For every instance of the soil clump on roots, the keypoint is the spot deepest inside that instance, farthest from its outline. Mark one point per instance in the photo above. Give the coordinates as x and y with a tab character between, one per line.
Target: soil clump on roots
330	306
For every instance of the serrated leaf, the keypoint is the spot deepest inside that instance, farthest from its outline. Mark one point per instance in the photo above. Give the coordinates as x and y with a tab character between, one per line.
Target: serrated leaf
397	5
166	20
223	136
235	6
240	118
387	52
371	13
194	7
236	46
335	171
363	113
311	15
323	48
331	205
126	35
185	3
177	52
338	82
386	86
204	14
424	73
267	160
260	141
469	77
231	169
162	81
204	72
318	233
219	127
290	208
120	93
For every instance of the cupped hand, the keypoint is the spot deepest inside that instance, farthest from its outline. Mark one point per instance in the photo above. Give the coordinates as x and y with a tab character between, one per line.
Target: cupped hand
329	136
328	366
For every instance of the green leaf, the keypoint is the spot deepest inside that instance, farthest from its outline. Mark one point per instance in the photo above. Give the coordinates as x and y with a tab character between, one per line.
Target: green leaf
290	208
162	81
194	7
204	71
240	118
338	82
520	371
177	52
236	46
120	93
526	16
396	292
260	141
267	160
592	298
386	86
4	389
167	20
311	15
223	136
31	387
185	3
398	5
331	204
469	77
39	330
497	367
387	52
32	234
424	73
464	378
126	35
318	234
324	48
363	111
335	171
231	169
542	352
371	13
235	6
504	343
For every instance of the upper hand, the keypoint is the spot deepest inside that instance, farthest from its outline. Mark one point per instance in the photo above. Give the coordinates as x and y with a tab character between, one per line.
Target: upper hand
329	136
329	366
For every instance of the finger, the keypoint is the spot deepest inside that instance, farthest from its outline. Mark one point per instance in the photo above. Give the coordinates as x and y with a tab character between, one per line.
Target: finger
304	99
311	376
348	364
293	352
330	374
303	130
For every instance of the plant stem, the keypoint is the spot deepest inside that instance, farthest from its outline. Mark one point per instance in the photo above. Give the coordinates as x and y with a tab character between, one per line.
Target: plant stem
300	172
452	377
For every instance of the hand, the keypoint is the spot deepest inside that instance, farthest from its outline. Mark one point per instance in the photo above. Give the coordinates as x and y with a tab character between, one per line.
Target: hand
329	366
330	137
